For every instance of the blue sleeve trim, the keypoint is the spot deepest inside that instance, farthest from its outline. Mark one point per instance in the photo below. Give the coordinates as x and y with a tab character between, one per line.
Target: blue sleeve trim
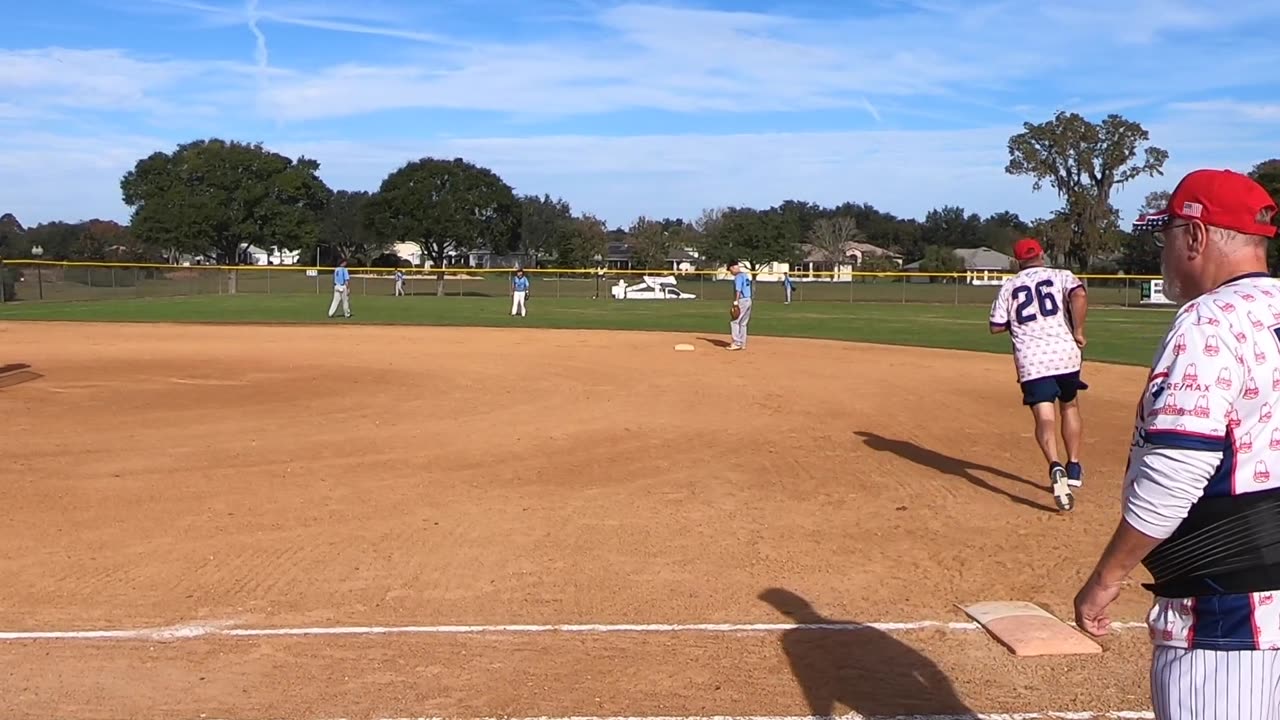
1184	440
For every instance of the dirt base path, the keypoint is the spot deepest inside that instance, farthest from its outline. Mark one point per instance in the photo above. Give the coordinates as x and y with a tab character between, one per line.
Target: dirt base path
301	477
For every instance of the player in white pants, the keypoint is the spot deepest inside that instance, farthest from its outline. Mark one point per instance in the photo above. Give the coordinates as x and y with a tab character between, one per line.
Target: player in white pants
519	290
1202	487
341	290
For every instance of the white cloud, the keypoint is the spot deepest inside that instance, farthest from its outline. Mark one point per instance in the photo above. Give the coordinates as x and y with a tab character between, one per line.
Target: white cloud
1231	109
945	62
51	80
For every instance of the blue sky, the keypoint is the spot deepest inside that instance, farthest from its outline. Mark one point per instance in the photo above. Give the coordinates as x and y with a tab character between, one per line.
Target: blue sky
628	109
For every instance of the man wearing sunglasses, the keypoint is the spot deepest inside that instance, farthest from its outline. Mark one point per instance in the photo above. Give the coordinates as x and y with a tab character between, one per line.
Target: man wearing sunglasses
1201	503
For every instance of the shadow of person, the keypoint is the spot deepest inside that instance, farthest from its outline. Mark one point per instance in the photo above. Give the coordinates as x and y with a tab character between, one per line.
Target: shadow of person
863	669
13	367
715	341
955	467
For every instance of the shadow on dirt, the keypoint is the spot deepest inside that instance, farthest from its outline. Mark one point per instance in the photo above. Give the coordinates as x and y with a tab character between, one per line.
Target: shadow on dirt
715	341
956	467
864	669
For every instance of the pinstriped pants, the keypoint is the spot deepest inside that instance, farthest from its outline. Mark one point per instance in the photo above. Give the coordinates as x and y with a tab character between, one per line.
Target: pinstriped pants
1215	685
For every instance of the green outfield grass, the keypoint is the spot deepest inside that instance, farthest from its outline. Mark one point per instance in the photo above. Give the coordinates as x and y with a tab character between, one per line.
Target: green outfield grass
1125	336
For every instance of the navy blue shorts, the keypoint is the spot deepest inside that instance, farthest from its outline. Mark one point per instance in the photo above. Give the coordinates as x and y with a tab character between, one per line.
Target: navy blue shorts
1062	388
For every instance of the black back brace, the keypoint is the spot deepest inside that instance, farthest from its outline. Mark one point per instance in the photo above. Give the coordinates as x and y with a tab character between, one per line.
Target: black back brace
1226	545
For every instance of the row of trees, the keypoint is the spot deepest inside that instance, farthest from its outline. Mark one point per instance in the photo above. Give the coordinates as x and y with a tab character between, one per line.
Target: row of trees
214	198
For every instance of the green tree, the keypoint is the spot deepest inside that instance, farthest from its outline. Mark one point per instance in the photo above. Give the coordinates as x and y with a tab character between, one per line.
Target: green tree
756	238
1085	162
586	240
57	239
545	225
651	243
1001	230
13	241
940	259
950	226
344	231
797	218
1267	173
884	230
446	206
216	198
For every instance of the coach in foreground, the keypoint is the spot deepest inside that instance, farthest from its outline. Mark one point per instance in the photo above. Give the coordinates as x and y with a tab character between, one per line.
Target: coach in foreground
1201	505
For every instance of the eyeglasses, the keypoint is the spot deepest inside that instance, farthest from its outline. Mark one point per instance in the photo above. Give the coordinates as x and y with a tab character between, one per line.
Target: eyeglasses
1160	234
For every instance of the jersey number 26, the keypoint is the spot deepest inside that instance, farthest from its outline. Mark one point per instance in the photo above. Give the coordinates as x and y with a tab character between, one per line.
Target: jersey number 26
1044	300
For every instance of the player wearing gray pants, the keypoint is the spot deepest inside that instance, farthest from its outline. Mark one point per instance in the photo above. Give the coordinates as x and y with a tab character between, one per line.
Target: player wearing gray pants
742	293
738	328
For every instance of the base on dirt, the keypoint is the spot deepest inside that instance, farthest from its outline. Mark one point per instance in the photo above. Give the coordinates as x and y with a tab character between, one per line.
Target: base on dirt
684	347
1027	630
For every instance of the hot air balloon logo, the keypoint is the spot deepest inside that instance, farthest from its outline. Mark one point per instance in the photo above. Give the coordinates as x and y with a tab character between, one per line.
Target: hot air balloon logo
1224	379
1201	409
1210	346
1261	474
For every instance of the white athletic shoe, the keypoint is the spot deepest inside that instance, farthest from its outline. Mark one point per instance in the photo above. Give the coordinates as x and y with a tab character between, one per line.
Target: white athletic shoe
1061	489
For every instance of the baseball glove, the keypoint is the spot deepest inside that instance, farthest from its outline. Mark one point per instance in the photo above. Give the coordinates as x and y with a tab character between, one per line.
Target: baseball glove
734	311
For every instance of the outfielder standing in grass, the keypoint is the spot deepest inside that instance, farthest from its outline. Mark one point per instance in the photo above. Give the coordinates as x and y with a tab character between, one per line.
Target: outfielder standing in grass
1202	486
399	282
742	293
1043	311
341	290
519	291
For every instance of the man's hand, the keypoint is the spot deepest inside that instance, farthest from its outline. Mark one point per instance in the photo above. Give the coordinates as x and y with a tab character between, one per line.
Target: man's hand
1091	605
1079	336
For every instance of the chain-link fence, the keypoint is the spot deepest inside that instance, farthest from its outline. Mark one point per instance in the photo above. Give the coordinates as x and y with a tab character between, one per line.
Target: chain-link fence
46	281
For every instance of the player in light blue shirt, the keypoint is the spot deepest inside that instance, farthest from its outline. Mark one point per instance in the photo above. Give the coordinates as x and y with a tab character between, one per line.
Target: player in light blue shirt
341	290
742	292
519	291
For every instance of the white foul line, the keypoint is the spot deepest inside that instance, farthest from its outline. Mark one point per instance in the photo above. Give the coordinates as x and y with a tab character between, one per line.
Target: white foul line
1041	715
192	630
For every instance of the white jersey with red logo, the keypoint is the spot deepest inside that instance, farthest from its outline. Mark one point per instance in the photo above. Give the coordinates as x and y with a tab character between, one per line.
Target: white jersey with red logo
1034	305
1211	409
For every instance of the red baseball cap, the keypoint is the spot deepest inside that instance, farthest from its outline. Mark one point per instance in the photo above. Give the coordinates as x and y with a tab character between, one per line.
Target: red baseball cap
1027	249
1220	198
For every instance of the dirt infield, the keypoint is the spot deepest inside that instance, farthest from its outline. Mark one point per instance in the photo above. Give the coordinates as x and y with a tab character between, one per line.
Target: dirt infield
345	476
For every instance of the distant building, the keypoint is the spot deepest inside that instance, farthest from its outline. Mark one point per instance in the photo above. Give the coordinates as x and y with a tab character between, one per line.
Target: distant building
982	266
818	266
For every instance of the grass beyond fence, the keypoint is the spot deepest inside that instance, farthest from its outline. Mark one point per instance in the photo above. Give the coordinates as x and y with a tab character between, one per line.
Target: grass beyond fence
53	281
1115	335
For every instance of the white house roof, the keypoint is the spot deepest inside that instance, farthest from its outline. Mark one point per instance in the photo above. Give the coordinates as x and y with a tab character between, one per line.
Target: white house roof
981	258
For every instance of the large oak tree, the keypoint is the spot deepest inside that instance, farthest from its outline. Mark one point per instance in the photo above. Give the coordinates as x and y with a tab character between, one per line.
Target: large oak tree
443	206
756	238
1085	162
216	198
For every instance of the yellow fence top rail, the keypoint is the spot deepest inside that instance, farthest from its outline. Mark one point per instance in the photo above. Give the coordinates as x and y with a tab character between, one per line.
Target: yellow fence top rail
461	270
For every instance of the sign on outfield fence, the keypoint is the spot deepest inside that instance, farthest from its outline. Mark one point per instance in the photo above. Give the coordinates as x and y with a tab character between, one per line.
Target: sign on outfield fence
1153	293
